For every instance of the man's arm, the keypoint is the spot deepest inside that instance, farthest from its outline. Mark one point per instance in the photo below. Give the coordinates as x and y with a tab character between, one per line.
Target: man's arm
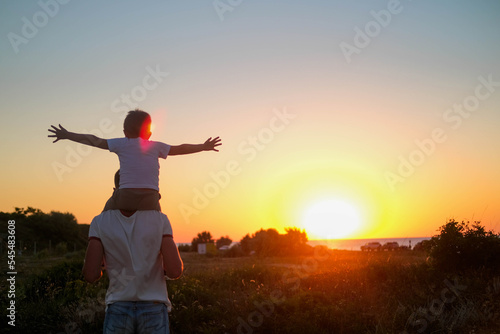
172	262
86	139
209	145
93	260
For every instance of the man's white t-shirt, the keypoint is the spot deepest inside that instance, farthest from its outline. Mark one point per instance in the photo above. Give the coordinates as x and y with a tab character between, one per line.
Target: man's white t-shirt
139	165
132	254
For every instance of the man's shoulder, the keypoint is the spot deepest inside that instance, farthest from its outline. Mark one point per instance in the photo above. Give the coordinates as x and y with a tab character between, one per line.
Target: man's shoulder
152	217
105	215
109	215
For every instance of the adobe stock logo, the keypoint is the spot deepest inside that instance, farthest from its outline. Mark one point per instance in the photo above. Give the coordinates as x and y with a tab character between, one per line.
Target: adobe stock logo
249	149
454	118
290	280
425	316
30	28
223	6
363	37
75	152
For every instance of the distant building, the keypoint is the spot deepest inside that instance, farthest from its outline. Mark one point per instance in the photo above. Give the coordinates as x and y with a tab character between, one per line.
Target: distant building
204	248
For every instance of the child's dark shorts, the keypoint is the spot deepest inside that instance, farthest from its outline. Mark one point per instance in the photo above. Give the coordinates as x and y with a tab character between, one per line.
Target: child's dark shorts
133	199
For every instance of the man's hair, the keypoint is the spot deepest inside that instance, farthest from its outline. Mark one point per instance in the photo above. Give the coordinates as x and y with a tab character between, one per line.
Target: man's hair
136	122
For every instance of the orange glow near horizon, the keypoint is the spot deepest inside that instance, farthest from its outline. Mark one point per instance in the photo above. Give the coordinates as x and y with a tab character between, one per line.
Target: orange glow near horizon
328	199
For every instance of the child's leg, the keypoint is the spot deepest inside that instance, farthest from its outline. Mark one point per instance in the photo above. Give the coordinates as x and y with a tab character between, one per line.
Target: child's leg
111	203
131	199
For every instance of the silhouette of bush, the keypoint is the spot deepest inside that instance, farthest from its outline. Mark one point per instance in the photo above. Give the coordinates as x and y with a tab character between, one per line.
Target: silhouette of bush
270	243
184	248
424	246
42	254
57	300
204	237
223	241
61	248
234	251
461	246
38	230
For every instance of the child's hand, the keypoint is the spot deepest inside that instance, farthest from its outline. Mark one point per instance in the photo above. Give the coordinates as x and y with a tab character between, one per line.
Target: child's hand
59	134
211	144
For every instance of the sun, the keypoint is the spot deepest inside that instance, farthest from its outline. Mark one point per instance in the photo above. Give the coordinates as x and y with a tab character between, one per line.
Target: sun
331	219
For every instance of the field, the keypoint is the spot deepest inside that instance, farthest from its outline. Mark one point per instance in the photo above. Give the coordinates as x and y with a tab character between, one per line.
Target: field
329	292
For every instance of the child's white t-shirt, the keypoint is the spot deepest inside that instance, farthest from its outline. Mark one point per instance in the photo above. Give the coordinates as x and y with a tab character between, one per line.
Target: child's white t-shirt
139	165
132	251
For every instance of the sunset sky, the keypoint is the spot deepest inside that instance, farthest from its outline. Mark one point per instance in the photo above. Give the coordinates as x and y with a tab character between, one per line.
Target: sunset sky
387	111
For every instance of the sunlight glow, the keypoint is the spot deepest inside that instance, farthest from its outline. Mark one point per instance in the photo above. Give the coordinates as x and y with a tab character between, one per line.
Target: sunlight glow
331	219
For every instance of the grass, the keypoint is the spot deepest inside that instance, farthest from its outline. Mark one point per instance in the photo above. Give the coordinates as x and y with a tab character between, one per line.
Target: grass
331	292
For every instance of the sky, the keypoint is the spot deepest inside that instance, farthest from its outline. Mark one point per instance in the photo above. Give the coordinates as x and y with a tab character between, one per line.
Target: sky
382	117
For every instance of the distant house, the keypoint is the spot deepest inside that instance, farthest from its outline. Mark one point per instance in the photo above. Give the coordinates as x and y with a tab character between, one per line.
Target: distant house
202	248
205	248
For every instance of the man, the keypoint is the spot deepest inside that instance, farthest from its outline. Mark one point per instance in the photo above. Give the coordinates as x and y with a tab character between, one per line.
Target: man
137	249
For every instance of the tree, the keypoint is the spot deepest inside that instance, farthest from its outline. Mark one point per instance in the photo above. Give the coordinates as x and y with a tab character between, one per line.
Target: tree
423	246
184	248
33	225
246	244
461	246
270	243
266	242
202	238
223	241
294	242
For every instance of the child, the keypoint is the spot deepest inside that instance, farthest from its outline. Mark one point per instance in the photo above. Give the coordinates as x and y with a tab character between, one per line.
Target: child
139	165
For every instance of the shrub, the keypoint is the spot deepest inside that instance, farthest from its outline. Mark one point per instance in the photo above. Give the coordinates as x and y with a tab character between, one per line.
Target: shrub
462	246
204	237
424	246
184	248
61	248
223	241
234	251
44	253
270	243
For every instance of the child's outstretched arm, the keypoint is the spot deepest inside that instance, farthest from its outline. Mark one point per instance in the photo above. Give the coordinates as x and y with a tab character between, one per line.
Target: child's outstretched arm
209	145
86	139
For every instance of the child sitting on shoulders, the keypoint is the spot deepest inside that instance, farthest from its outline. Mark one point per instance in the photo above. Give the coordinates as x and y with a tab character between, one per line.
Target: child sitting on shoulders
138	156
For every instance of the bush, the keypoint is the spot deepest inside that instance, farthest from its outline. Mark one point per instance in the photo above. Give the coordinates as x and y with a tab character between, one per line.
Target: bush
61	248
234	251
202	238
423	246
42	254
184	248
270	243
57	300
462	246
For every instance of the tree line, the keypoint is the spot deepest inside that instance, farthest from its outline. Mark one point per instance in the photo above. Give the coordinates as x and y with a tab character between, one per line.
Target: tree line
458	246
35	228
263	243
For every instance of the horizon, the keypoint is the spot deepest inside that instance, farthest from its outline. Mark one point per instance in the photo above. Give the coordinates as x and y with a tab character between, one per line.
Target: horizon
233	242
346	120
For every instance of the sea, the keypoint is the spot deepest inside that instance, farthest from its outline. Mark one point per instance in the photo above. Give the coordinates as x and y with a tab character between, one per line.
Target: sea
355	244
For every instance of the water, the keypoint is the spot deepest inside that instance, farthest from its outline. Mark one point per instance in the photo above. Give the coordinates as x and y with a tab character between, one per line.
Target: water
355	244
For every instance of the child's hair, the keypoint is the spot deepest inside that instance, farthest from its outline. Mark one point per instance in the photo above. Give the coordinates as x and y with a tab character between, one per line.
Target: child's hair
137	123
